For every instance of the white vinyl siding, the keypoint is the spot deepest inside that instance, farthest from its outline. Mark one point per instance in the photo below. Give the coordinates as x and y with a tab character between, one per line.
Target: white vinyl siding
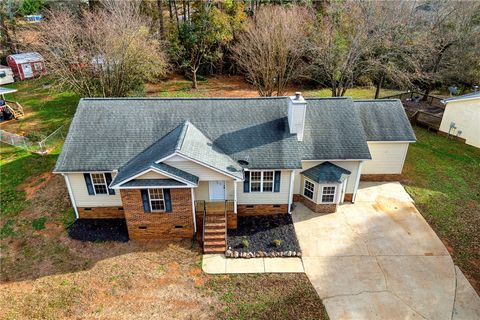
152	175
265	197
466	115
387	158
202	172
83	199
351	166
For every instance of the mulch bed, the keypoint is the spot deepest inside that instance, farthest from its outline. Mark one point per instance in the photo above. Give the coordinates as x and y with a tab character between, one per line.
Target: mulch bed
99	230
260	231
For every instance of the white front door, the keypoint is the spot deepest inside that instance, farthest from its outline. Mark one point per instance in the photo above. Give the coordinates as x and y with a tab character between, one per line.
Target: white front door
216	190
27	70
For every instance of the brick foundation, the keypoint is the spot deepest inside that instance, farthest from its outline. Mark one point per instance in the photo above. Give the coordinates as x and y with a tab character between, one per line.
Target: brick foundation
348	197
319	208
380	177
244	210
158	225
101	213
297	198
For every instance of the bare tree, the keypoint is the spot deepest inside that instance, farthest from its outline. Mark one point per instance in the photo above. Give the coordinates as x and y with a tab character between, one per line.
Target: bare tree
108	52
394	56
272	48
448	26
342	38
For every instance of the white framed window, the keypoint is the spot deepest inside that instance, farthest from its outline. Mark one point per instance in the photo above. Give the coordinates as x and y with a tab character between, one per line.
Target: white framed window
261	181
308	189
328	194
157	200
99	183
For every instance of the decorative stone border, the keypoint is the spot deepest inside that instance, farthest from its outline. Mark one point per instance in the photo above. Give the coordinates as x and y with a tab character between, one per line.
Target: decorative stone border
261	254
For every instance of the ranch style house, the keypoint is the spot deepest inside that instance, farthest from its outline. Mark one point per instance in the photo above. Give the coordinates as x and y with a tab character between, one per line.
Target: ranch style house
176	168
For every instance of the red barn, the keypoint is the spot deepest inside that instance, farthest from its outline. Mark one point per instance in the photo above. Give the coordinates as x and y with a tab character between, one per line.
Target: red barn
27	65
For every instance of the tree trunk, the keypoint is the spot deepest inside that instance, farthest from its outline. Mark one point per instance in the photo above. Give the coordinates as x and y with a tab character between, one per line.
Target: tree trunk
379	85
170	9
435	70
194	78
160	19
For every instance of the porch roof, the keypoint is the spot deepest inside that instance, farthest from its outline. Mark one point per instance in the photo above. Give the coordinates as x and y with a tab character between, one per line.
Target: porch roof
151	183
326	172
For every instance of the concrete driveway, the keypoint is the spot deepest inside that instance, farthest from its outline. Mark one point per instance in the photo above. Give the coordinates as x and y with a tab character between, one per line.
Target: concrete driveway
379	259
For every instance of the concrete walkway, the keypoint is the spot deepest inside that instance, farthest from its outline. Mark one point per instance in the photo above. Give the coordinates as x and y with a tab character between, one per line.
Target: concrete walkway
379	259
218	264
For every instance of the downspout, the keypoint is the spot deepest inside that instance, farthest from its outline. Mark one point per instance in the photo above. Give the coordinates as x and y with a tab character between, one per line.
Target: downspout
193	212
290	192
357	181
72	198
235	196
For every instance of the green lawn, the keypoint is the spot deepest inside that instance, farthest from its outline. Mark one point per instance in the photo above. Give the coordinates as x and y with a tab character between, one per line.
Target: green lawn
443	177
355	93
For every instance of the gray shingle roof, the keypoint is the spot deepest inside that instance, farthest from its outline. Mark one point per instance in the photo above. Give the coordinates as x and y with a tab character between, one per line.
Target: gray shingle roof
185	140
326	172
106	134
384	120
153	183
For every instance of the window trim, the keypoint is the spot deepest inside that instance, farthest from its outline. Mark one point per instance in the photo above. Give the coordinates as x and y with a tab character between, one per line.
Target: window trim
104	183
163	200
334	193
262	181
305	187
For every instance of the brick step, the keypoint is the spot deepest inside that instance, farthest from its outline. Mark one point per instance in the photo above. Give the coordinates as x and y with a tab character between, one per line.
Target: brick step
215	220
214	237
215	225
215	243
215	233
214	250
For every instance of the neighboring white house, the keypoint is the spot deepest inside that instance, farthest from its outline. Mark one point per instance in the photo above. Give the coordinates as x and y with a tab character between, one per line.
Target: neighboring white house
462	118
6	75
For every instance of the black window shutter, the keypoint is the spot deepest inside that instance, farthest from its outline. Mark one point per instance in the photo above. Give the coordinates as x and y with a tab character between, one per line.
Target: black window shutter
108	180
168	200
276	188
88	182
145	200
246	182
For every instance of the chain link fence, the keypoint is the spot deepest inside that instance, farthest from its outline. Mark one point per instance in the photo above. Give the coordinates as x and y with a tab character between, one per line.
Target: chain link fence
43	146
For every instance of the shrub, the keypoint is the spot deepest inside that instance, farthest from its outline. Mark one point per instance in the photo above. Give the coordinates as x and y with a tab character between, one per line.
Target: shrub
245	243
277	242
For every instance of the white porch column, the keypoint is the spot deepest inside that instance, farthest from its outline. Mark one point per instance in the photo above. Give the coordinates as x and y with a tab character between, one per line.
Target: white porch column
290	192
193	211
235	196
357	181
70	193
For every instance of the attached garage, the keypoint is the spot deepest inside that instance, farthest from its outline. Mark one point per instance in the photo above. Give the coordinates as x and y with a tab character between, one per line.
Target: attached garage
388	134
387	157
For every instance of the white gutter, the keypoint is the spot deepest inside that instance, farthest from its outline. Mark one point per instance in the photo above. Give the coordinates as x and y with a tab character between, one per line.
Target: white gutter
72	198
357	181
